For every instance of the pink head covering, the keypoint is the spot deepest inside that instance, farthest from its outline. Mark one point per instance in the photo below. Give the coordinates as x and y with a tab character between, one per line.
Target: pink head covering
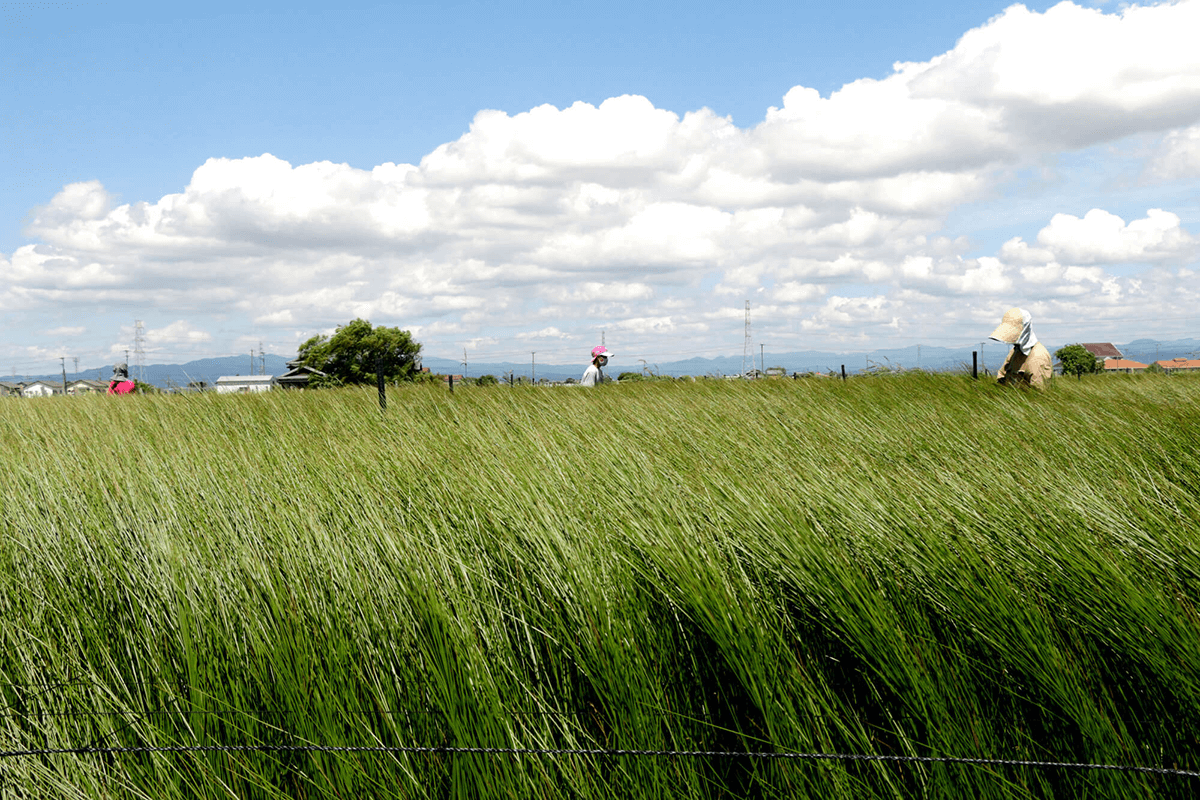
601	351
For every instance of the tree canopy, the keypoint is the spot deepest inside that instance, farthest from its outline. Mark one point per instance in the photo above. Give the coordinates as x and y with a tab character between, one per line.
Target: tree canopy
351	354
1076	360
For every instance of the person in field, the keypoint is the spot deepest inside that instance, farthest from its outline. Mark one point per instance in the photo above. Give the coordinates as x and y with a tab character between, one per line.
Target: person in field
1028	363
120	383
595	371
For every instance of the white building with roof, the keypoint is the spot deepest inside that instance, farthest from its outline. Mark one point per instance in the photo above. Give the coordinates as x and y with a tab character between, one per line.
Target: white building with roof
244	384
40	389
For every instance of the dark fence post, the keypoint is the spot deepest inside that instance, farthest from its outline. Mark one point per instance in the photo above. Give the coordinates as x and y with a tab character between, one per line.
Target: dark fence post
451	384
843	372
379	381
975	364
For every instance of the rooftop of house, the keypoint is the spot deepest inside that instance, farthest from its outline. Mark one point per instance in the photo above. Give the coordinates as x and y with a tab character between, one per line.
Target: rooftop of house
1123	363
1101	349
1179	363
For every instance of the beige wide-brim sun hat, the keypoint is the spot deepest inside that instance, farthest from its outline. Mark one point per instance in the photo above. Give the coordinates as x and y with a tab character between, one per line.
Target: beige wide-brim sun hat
1009	329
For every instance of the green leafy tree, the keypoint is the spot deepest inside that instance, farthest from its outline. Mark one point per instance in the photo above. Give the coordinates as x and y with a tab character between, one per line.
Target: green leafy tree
1154	368
351	354
486	380
1076	360
630	376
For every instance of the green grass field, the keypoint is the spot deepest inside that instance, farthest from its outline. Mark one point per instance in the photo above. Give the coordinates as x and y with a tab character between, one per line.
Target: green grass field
912	565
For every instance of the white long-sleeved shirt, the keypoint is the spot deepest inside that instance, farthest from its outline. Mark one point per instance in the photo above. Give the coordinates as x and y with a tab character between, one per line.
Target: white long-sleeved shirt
592	376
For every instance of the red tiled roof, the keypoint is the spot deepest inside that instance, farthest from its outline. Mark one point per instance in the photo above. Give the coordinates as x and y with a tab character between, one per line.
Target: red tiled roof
1180	363
1123	363
1101	349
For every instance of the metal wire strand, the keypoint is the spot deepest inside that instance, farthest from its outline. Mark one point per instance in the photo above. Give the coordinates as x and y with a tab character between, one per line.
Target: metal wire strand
517	751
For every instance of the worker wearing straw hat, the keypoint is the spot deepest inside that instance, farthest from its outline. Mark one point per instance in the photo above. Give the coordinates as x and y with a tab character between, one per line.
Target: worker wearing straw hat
595	370
1028	363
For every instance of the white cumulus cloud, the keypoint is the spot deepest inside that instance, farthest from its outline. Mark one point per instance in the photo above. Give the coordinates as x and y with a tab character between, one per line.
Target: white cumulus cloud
1178	155
628	217
1103	237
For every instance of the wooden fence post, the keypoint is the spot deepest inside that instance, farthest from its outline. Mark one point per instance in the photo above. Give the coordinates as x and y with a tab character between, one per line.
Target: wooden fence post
379	381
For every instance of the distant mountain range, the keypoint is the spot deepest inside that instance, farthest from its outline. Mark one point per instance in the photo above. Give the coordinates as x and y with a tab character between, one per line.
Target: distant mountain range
167	376
925	357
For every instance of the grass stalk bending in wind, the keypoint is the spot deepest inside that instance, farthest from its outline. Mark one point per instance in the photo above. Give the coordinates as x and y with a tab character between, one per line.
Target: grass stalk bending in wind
902	565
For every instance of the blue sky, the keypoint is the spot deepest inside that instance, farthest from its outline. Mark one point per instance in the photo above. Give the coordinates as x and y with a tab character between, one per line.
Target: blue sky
127	102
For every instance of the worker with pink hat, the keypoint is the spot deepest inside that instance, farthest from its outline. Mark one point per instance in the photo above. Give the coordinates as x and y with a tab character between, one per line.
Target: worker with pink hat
1028	363
595	370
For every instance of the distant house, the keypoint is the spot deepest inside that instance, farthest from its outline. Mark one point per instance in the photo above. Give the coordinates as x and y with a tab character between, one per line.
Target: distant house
41	389
1122	365
298	375
244	384
10	389
1101	350
86	386
1180	364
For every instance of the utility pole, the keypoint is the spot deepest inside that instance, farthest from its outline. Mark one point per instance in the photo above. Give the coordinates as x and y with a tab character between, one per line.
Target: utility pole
602	339
747	346
262	359
533	358
252	361
76	360
63	362
464	362
762	359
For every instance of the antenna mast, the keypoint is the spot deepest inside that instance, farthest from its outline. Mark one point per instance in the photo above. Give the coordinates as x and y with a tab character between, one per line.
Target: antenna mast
139	353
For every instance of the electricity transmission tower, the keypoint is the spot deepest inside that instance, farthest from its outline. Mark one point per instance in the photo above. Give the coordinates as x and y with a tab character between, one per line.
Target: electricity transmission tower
748	346
139	353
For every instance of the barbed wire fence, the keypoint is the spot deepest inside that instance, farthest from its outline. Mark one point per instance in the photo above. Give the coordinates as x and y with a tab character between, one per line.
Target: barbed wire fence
97	748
